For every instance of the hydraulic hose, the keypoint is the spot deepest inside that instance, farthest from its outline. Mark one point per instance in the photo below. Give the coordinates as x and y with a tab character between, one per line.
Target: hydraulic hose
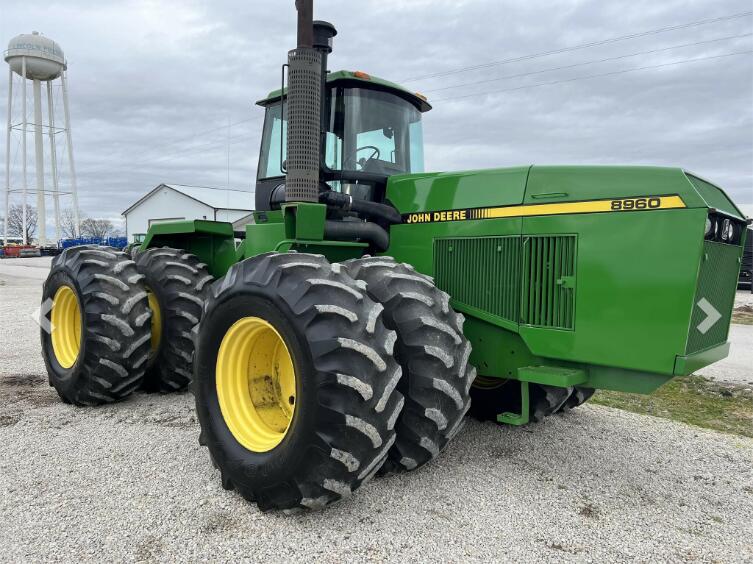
365	208
357	230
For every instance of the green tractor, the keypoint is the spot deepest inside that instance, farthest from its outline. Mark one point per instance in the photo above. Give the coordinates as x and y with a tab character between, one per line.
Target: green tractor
133	247
369	305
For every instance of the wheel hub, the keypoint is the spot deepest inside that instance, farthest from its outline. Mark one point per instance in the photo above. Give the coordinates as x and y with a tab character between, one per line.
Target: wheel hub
66	326
256	384
156	321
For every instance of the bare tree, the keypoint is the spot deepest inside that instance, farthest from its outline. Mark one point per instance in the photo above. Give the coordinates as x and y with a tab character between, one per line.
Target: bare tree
96	227
117	231
16	221
68	223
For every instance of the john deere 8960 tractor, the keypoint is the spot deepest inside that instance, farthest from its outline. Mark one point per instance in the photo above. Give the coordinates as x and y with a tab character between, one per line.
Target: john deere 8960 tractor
369	305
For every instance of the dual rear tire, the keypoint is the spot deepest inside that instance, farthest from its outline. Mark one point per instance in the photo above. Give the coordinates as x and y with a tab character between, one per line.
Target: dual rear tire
176	283
97	343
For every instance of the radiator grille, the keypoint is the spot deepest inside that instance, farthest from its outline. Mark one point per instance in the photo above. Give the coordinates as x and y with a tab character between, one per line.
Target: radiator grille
548	292
482	272
717	282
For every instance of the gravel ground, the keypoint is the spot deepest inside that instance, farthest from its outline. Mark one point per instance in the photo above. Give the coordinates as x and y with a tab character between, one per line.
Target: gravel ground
743	297
129	483
34	268
737	368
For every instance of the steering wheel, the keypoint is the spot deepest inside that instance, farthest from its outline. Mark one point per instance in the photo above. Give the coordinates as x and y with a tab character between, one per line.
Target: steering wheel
374	155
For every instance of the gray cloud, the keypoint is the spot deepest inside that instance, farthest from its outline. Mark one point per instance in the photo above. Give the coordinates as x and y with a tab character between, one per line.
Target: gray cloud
146	77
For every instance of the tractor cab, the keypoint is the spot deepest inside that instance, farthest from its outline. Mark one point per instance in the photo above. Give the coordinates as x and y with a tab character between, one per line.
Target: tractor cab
372	130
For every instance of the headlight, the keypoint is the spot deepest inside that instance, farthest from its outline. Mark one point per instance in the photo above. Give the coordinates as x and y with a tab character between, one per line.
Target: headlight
731	232
726	228
712	228
722	229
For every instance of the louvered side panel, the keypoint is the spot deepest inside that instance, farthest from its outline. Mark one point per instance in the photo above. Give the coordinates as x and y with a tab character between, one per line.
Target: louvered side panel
481	272
548	286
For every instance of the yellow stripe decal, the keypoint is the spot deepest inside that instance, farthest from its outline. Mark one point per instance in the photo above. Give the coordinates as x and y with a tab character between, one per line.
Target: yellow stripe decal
618	205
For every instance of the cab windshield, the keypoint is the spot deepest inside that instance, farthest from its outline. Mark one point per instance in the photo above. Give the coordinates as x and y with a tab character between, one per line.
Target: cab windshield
369	131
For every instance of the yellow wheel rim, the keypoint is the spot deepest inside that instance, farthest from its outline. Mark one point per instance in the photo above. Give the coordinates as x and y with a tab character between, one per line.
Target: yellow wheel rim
66	326
256	384
156	321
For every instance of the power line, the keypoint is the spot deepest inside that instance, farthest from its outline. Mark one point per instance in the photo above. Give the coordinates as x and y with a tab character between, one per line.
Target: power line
580	46
596	61
158	158
681	62
219	144
194	135
494	63
188	150
209	187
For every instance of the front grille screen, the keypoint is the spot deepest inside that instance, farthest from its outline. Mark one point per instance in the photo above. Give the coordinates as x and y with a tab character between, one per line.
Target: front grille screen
717	282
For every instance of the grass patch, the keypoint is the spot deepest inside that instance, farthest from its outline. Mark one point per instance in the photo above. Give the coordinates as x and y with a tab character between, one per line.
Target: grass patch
694	400
743	315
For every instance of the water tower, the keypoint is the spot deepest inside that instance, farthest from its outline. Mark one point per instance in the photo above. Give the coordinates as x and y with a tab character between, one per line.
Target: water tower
36	58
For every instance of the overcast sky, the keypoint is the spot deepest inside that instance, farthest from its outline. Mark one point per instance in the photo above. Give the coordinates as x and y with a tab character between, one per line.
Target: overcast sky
153	84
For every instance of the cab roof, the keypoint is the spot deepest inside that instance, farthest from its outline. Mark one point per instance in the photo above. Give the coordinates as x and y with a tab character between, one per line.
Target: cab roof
364	80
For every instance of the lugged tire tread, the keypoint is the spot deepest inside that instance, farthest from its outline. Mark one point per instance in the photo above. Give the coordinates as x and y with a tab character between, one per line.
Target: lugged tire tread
353	435
579	396
489	401
107	373
171	370
433	352
546	400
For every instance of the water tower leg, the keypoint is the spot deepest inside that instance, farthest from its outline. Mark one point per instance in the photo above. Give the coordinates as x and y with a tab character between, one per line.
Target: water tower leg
24	124
7	156
39	162
71	163
53	161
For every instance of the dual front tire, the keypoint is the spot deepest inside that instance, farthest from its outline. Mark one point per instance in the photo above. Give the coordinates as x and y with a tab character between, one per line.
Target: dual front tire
434	355
296	379
380	376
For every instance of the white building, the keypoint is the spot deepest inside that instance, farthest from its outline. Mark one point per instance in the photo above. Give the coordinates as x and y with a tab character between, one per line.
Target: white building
175	202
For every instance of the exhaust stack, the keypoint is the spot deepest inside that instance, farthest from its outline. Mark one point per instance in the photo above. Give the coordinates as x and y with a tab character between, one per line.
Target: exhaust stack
304	111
